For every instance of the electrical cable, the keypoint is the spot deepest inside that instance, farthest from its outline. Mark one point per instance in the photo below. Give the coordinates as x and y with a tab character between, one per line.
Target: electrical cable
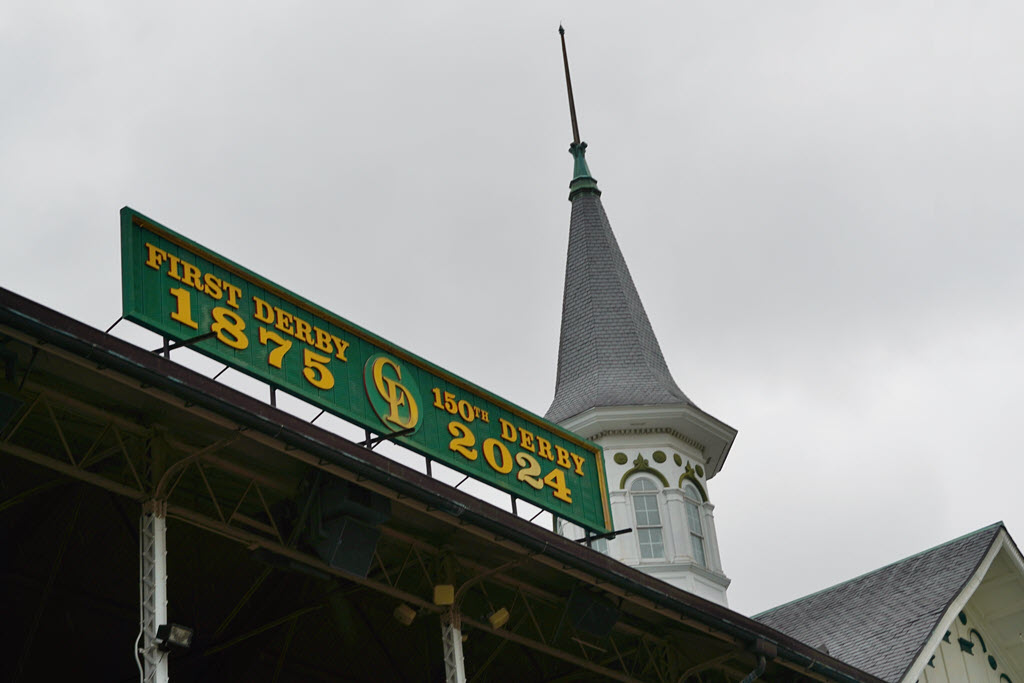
137	662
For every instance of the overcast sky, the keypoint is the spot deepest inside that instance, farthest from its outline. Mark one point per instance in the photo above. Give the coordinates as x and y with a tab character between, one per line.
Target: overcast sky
820	203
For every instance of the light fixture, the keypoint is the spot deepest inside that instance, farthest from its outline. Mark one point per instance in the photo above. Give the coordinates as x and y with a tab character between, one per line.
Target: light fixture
444	594
404	614
498	618
173	637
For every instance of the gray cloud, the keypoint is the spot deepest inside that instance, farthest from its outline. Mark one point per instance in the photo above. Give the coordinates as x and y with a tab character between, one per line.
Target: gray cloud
819	205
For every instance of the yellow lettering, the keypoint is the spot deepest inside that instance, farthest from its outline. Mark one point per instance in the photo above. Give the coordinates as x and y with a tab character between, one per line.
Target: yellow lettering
527	439
544	448
563	457
276	356
264	312
155	257
323	340
490	446
229	327
340	345
463	441
315	372
233	294
466	410
212	285
284	321
556	480
183	310
302	331
191	276
172	268
578	459
508	432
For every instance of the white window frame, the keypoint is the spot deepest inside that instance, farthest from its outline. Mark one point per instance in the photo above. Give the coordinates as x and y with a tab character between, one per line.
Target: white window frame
695	531
645	532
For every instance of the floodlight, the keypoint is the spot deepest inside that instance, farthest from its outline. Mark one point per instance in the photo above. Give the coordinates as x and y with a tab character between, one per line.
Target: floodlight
498	618
404	614
444	594
173	637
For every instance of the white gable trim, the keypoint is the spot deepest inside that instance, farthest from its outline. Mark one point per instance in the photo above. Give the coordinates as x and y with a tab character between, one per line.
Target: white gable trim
1002	541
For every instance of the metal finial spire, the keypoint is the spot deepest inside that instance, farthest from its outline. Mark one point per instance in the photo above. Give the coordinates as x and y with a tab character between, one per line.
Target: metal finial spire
568	84
582	181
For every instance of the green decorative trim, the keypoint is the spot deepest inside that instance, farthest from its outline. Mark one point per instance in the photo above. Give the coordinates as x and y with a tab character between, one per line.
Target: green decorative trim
992	662
966	646
641	465
946	637
981	641
679	460
691	476
963	618
659	457
931	661
1002	676
582	181
700	471
620	458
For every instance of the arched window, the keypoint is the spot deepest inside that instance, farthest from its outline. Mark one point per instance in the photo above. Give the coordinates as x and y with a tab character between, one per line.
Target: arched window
692	499
644	494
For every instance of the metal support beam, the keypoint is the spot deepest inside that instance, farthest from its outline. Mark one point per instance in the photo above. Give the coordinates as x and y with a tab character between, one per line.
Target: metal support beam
372	442
153	590
451	641
168	346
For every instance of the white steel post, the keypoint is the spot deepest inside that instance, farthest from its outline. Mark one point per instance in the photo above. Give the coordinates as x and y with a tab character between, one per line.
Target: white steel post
451	633
153	589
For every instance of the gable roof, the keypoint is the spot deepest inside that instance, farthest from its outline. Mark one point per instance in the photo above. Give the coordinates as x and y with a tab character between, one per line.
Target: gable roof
608	354
879	622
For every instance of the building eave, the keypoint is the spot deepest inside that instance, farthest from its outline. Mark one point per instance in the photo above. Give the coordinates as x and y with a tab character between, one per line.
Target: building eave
709	435
141	368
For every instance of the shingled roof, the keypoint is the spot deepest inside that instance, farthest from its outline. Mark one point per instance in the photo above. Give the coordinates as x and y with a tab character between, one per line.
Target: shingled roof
608	354
880	621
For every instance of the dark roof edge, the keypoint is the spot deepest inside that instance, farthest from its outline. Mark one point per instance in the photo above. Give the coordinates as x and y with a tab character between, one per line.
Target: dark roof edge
73	336
878	569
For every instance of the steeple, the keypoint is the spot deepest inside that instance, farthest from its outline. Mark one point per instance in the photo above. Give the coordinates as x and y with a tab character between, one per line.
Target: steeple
614	388
608	354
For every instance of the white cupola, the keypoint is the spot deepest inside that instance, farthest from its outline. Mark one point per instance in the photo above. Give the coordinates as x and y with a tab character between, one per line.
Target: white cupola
614	388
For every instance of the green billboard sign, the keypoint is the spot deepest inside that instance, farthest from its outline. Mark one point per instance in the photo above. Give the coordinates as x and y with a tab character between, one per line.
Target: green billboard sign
182	290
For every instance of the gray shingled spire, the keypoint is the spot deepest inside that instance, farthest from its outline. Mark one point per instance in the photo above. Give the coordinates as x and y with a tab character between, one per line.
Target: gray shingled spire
608	354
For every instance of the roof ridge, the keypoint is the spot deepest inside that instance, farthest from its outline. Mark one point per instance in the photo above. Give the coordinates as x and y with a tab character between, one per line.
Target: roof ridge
932	549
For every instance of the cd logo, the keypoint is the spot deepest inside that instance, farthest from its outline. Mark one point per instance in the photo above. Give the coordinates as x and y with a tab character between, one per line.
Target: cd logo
393	398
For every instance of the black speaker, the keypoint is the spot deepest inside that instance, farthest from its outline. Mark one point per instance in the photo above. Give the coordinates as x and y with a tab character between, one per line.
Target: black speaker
348	544
591	613
343	498
345	526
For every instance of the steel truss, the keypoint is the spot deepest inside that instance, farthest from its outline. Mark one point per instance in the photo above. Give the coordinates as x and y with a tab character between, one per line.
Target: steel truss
152	591
144	463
